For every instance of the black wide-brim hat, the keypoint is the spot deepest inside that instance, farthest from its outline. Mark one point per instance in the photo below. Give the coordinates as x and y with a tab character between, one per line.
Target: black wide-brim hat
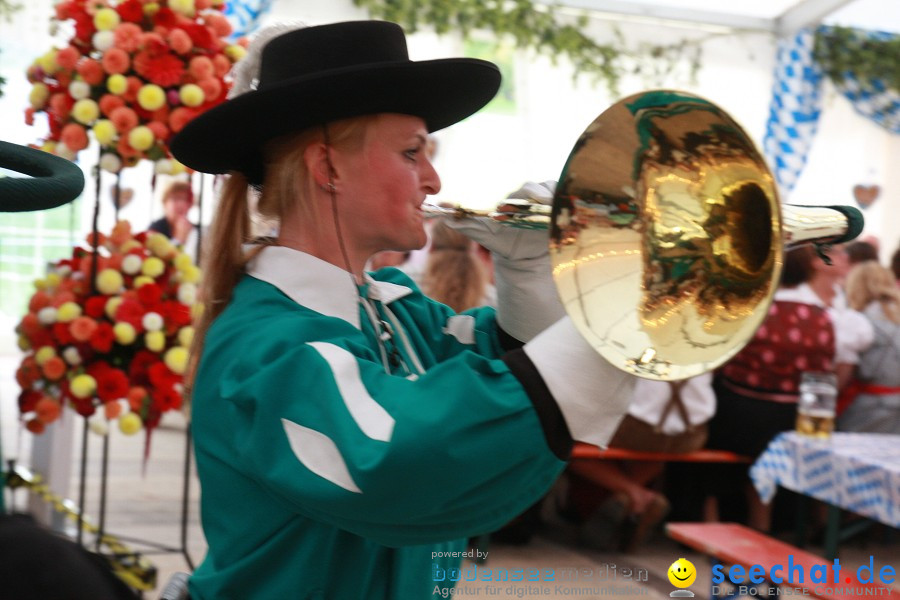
54	180
316	75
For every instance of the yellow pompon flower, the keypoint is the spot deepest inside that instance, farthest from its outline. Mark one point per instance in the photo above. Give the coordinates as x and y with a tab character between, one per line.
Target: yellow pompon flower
106	19
130	423
53	280
176	359
86	111
39	95
160	245
186	336
141	138
44	354
40	284
129	246
125	333
182	261
184	7
235	52
153	267
109	281
47	61
151	8
68	311
22	343
83	386
112	305
190	274
155	341
142	280
151	97
104	131
117	84
191	94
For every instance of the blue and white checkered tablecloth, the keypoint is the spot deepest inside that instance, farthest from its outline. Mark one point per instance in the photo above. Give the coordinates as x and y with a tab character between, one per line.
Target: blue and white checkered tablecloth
859	472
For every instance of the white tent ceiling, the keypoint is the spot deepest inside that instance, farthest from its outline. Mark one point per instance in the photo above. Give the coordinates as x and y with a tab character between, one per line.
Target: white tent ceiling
778	16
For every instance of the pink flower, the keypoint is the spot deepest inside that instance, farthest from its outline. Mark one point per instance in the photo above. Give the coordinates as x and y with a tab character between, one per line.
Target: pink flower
91	71
68	57
201	67
180	41
124	118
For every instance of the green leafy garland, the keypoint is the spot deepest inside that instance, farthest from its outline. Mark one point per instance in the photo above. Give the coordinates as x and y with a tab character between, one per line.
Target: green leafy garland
843	50
538	27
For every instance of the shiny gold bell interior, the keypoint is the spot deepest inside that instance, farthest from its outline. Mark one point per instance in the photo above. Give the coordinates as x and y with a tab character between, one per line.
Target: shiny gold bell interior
666	235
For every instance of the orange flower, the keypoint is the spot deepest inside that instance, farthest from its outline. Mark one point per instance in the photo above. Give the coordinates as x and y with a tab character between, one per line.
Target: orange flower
110	102
68	57
35	426
47	410
115	60
74	136
201	67
82	328
160	131
112	409
212	88
180	117
91	71
222	64
219	24
127	37
54	368
136	397
41	299
180	41
124	118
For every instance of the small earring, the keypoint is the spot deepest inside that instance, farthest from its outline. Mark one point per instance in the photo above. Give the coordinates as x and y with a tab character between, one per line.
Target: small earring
329	187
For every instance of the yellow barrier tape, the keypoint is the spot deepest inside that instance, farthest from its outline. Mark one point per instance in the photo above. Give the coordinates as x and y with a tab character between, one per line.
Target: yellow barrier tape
132	568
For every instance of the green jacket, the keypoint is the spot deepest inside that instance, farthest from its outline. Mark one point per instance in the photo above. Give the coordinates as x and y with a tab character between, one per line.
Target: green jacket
334	467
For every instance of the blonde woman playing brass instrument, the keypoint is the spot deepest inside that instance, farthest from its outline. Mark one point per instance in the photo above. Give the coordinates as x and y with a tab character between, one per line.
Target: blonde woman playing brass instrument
351	433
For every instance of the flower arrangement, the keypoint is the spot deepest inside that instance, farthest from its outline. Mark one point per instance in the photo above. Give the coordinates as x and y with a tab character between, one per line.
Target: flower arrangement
133	73
117	350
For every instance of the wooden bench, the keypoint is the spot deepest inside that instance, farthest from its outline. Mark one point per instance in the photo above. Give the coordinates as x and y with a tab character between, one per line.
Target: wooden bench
582	450
734	544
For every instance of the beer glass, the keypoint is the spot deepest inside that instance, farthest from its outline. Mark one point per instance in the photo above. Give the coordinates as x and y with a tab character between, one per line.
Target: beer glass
816	406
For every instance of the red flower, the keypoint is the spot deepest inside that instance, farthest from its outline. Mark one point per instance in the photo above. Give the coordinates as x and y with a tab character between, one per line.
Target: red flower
165	17
141	362
165	70
131	10
201	35
175	312
102	338
28	399
62	334
165	399
84	28
112	384
150	294
131	311
95	306
161	376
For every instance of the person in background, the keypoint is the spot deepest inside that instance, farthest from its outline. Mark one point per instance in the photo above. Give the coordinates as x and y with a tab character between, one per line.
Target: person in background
350	433
871	402
454	275
895	265
861	251
177	201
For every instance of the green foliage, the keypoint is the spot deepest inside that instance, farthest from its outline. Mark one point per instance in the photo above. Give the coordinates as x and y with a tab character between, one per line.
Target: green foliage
843	50
537	26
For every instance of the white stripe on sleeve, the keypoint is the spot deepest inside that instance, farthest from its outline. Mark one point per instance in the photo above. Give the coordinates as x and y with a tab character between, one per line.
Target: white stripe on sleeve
462	327
319	454
371	417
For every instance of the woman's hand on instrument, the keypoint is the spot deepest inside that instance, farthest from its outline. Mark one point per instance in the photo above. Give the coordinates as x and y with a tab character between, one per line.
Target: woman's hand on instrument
527	301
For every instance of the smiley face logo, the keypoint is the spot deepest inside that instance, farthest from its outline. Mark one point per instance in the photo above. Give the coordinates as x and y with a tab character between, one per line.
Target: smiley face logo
682	573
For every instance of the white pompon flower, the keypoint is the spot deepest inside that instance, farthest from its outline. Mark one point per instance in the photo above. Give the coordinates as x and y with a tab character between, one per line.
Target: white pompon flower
79	90
110	163
131	264
47	315
187	293
98	423
63	270
71	356
103	40
152	321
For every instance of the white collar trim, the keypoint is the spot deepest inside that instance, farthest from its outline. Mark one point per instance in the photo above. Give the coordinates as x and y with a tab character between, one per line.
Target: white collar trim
319	285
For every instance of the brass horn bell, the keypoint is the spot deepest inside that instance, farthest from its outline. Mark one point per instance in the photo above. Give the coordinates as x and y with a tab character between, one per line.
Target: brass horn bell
667	235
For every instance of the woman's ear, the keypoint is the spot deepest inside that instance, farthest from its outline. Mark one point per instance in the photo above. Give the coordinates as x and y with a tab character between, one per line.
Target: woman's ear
319	164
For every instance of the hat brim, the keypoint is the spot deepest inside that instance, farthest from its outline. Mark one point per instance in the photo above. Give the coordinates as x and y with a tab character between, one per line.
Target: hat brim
230	136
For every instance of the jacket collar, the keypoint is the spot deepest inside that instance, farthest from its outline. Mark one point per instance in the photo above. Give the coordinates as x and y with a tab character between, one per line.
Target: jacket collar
319	285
